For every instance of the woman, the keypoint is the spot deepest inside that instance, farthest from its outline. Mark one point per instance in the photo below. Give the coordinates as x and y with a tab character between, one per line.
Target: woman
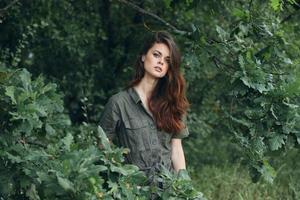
148	116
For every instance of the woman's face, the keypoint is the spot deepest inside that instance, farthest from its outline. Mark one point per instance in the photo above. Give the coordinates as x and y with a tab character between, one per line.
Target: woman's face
156	61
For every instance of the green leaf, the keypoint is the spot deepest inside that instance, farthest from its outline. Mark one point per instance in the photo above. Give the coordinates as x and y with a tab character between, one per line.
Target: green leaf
39	110
298	137
14	159
36	155
258	145
25	78
101	168
183	174
277	141
32	193
223	35
67	141
290	105
267	171
238	12
273	112
103	138
275	4
242	121
114	187
65	184
10	92
48	87
124	170
43	177
49	129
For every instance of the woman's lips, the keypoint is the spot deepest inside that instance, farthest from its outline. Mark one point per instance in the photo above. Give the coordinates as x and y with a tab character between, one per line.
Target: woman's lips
158	69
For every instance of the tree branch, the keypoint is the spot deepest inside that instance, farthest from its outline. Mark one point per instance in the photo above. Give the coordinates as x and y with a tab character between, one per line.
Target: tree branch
2	10
143	11
217	62
37	144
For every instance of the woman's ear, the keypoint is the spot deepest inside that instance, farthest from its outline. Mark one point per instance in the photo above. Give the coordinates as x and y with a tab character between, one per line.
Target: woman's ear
143	58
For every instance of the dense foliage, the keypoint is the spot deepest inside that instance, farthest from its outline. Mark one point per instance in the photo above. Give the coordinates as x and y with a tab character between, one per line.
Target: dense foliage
241	60
44	157
257	63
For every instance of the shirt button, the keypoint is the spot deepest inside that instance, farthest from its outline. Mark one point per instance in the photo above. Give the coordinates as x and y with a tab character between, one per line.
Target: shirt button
152	126
154	142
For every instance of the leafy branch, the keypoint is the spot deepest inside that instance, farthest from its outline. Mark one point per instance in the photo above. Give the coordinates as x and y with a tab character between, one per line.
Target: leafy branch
3	10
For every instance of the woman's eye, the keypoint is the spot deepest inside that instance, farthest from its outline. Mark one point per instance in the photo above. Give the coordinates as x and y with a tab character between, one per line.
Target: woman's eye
156	55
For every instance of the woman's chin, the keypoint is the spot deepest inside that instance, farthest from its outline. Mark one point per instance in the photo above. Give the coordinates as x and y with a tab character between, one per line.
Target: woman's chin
156	75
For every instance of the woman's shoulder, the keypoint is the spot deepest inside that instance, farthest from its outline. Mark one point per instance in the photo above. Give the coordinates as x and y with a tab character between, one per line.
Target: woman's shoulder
119	97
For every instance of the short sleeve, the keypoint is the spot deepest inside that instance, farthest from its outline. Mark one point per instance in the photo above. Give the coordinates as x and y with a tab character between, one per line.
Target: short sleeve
184	132
109	120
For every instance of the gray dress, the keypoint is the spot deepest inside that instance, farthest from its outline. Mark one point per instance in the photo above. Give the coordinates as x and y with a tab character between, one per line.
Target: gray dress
128	124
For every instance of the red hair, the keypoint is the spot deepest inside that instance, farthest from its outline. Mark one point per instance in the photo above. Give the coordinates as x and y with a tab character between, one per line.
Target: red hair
168	103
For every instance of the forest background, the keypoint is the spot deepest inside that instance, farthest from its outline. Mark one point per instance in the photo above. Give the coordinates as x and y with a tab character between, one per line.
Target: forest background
61	60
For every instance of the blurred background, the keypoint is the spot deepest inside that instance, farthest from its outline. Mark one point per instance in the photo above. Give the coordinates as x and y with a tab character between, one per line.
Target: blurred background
240	60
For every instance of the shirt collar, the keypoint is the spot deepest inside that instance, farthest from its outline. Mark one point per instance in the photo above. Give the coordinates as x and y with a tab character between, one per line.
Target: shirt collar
134	95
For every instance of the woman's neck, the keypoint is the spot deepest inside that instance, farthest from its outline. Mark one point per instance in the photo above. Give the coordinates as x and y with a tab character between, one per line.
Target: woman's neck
146	86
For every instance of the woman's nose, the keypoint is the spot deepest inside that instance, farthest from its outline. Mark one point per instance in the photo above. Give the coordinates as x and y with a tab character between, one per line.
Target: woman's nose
160	61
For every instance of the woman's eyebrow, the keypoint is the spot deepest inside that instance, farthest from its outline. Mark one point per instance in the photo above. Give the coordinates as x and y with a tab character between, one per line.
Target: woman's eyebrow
158	52
161	53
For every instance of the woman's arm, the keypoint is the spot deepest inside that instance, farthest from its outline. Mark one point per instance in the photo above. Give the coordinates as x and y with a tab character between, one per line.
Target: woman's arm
109	119
177	155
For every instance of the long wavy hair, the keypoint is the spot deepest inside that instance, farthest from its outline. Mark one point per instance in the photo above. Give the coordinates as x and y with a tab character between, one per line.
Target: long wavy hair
168	103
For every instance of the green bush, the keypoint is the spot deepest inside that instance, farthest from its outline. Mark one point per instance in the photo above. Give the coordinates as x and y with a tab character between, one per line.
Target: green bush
240	60
44	156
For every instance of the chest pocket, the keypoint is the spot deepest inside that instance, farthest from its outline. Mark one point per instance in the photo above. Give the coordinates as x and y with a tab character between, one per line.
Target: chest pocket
137	133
